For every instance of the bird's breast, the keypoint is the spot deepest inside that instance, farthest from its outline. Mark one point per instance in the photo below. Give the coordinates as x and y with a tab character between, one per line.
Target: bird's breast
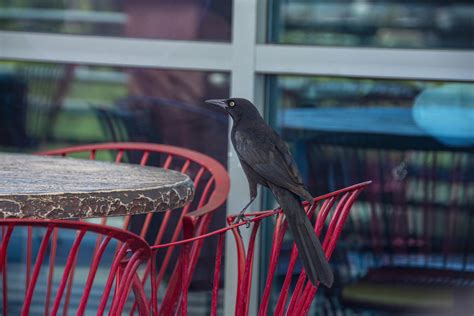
242	140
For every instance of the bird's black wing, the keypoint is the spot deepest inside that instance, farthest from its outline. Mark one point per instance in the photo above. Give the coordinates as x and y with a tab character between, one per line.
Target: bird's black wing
290	163
271	158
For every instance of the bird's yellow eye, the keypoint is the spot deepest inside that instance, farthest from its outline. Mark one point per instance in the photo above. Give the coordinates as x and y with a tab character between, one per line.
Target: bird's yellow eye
231	103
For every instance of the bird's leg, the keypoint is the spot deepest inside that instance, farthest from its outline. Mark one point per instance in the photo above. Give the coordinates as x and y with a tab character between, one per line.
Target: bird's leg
253	194
242	216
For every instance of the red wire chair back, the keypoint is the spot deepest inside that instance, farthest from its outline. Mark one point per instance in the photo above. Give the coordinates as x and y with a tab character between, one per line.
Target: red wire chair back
109	277
332	208
211	183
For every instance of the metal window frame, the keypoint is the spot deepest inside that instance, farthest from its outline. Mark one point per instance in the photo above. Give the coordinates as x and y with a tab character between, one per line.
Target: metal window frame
243	58
246	60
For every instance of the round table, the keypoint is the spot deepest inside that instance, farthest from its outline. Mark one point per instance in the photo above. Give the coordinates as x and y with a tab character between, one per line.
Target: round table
44	187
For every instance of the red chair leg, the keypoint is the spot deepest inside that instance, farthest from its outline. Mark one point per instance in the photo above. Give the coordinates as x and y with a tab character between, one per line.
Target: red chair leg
140	296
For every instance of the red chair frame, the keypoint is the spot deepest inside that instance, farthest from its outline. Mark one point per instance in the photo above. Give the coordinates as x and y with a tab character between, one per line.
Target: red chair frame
192	223
339	202
131	247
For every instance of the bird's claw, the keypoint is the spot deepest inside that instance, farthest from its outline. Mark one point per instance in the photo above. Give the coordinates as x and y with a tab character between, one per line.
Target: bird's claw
242	218
247	222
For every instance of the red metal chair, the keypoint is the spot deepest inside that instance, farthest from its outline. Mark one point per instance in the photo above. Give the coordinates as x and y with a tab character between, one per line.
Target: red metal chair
337	203
108	268
211	183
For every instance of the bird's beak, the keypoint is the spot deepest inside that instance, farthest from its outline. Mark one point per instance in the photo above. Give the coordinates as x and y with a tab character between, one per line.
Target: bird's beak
219	102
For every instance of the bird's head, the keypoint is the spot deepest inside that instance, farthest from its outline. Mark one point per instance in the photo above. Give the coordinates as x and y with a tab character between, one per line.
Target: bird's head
237	108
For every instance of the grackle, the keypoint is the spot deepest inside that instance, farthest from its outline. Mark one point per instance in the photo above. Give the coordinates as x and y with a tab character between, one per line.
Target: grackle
267	160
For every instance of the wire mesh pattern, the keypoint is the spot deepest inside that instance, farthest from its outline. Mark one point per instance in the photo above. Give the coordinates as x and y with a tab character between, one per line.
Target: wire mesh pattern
107	260
332	211
211	184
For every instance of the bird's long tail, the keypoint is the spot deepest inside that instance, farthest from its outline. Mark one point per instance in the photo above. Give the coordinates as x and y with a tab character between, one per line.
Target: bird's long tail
309	247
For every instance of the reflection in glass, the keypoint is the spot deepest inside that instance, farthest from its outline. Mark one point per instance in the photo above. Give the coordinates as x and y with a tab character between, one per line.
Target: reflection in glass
164	19
446	113
415	141
68	104
389	23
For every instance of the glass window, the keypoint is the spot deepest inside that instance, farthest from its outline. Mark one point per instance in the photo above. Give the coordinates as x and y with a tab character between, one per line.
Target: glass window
46	105
366	23
164	19
63	104
415	141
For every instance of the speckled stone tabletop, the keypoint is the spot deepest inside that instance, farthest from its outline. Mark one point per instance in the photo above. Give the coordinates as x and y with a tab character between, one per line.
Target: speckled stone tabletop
61	188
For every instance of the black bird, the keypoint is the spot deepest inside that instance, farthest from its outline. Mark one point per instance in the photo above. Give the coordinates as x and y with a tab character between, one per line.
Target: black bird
267	160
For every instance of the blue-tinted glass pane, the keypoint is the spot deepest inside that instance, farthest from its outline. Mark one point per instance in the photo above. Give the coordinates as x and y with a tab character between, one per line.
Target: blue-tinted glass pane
415	141
386	23
164	19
